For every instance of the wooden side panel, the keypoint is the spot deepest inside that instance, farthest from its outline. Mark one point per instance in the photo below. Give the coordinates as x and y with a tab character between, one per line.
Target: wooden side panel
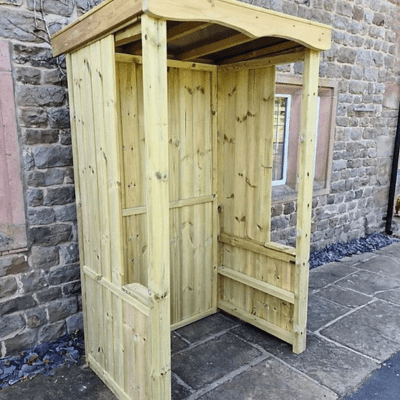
191	177
115	329
246	111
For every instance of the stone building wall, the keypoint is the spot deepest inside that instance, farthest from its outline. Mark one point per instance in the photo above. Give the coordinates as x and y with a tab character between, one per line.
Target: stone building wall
39	284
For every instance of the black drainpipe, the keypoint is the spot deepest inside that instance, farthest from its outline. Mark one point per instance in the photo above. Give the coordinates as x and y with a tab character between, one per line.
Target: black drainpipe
393	179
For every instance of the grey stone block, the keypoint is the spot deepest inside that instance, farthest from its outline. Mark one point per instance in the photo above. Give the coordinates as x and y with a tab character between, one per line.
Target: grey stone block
13	264
59	195
8	286
66	213
33	281
69	253
52	156
59	118
321	311
49	294
75	323
51	235
205	327
63	8
17	304
52	332
23	340
40	216
55	77
36	317
71	288
65	274
39	136
372	330
61	309
41	96
212	360
272	380
28	75
34	197
34	55
44	257
11	323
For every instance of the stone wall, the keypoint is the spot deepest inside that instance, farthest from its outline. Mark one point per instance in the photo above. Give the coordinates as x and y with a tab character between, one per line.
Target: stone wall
39	285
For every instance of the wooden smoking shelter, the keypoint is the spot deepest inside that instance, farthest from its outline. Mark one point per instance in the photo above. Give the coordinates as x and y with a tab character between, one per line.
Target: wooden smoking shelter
172	113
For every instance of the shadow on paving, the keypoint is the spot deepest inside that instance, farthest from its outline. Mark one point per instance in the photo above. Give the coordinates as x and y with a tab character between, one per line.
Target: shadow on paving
353	326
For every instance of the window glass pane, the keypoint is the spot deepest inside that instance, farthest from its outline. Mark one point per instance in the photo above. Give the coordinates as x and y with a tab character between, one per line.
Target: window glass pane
281	116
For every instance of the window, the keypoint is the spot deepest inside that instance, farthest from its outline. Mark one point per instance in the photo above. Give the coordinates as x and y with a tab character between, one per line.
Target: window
286	136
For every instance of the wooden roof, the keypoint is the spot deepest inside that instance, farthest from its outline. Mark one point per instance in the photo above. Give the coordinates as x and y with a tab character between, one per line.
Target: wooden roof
218	31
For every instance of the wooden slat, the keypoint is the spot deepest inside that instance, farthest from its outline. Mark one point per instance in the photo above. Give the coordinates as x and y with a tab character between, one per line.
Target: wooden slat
275	49
256	321
128	58
194	318
132	295
267	249
129	34
265	61
214	47
157	198
103	20
257	284
250	20
305	190
185	29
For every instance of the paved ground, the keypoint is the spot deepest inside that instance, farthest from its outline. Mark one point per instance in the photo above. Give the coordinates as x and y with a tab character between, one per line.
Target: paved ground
354	327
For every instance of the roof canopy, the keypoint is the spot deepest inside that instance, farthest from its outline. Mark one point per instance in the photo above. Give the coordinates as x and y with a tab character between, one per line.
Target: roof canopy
213	31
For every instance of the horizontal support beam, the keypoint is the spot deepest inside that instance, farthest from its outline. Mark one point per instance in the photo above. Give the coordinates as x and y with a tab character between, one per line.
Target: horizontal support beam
184	29
194	318
129	34
214	47
296	56
128	58
135	298
257	284
173	204
256	321
275	49
273	250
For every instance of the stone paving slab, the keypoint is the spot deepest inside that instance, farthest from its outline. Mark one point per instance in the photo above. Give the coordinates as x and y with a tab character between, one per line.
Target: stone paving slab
270	380
321	311
368	282
344	297
335	367
212	360
373	330
383	265
202	329
327	274
177	344
391	295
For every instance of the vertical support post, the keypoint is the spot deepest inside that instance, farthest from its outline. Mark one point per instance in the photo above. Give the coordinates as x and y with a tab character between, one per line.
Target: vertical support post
154	40
304	200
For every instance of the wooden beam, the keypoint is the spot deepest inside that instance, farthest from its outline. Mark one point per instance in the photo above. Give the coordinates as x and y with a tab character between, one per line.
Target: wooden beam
251	20
99	22
129	34
305	190
257	284
185	29
256	321
275	49
154	38
296	56
273	250
215	47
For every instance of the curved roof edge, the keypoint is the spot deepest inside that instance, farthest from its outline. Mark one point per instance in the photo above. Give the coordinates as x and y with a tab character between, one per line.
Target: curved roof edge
251	20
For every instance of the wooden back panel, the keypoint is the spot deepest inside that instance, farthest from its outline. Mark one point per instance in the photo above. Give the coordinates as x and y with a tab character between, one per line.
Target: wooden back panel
190	184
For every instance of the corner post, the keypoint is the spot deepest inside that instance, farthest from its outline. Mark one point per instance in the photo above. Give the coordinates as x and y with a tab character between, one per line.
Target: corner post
305	192
154	41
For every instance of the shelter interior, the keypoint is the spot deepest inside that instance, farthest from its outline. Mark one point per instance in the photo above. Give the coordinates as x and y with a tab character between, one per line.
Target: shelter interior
172	118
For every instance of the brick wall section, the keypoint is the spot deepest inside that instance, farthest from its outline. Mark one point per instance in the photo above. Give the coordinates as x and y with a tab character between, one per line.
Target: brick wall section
40	287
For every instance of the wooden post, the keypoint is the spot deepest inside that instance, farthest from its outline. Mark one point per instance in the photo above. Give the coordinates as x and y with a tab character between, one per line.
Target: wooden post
304	201
154	39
